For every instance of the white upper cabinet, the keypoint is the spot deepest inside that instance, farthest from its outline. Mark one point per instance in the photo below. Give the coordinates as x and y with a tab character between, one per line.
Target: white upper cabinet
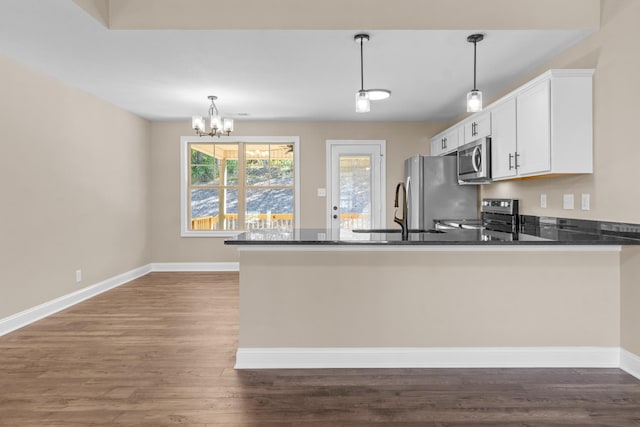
545	127
503	140
445	143
533	119
477	127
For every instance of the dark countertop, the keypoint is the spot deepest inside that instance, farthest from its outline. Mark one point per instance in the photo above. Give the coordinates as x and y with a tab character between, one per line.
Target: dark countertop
545	235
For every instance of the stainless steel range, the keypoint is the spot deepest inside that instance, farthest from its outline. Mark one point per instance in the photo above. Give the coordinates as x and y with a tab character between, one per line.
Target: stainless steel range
500	218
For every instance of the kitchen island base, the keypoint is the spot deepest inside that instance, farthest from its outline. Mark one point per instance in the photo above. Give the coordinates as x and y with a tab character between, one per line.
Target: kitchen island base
310	306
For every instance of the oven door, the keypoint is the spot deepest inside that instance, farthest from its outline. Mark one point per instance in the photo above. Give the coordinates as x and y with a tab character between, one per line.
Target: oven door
474	162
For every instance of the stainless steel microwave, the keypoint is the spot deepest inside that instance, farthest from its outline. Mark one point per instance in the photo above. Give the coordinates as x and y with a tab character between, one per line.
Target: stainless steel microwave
474	162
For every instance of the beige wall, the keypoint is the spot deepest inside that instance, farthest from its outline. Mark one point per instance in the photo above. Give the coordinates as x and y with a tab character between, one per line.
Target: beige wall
348	14
429	299
74	185
613	52
402	140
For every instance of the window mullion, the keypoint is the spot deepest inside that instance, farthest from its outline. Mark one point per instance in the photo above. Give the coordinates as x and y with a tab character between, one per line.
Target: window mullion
222	203
241	186
189	190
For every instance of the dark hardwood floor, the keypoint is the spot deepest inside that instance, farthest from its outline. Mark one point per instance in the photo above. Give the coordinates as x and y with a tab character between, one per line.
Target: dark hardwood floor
160	351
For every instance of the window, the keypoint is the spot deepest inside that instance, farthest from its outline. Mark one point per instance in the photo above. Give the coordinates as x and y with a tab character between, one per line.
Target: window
232	184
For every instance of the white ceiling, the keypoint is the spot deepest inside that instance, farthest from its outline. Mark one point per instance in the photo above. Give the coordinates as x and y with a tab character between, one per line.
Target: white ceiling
270	74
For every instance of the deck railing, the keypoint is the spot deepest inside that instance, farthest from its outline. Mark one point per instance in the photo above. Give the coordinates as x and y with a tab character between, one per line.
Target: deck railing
264	221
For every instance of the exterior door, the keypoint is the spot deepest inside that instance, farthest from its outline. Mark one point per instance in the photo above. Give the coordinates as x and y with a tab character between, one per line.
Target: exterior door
356	184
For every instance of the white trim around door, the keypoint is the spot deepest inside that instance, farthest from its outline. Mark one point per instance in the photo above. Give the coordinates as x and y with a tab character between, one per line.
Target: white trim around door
378	152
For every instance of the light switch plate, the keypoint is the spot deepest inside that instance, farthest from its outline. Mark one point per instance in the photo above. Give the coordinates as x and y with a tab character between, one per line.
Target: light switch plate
567	201
543	201
586	201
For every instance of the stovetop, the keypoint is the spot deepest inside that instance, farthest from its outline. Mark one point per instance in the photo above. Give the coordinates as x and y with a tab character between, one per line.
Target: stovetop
465	224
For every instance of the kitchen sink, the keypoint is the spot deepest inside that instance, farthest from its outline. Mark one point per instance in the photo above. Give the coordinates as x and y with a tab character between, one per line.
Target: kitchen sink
392	230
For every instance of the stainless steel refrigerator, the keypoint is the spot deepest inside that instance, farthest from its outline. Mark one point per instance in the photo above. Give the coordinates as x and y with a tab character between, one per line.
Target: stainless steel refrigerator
433	192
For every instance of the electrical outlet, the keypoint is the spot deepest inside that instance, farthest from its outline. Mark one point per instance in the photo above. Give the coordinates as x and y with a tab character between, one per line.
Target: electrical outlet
586	201
78	276
322	192
543	201
567	201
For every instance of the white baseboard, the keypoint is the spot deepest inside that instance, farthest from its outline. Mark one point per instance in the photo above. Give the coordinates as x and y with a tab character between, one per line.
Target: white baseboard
195	266
462	357
630	363
33	314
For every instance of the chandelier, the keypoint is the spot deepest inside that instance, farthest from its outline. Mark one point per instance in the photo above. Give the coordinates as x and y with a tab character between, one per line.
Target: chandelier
219	126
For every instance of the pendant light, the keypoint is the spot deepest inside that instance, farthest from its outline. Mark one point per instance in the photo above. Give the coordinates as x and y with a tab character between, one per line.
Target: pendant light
364	97
474	98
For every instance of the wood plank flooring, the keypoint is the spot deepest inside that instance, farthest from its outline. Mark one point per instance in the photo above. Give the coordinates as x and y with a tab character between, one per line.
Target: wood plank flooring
160	351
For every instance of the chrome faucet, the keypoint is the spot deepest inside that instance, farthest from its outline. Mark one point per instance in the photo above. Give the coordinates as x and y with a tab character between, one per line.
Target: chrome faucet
404	226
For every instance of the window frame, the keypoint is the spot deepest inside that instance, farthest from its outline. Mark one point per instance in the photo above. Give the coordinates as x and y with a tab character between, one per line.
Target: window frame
184	177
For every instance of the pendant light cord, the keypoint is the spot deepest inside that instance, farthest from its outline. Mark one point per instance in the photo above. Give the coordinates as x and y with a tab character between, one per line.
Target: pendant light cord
474	65
361	65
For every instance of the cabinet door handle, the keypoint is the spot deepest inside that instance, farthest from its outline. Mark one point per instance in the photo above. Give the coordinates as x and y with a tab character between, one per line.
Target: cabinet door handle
510	157
517	155
445	142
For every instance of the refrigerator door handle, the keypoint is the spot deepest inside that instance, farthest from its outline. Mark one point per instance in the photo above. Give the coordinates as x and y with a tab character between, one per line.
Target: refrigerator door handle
409	201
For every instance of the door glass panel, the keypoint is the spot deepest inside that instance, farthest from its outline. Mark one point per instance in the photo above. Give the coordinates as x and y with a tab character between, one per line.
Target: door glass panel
355	191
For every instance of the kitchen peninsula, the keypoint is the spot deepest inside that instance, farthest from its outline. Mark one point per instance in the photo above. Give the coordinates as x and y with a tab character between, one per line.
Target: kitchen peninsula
552	298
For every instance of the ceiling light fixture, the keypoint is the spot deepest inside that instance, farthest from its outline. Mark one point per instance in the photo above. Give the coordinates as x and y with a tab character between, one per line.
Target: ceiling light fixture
364	97
474	98
219	125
